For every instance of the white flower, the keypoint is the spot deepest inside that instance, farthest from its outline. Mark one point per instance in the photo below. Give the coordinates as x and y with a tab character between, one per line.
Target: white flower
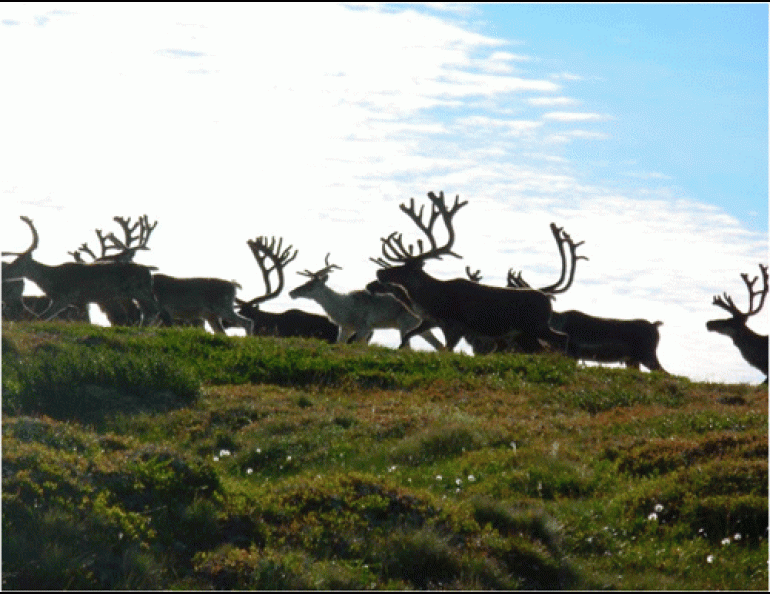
224	453
258	450
471	478
288	458
659	508
438	477
652	516
737	536
249	470
725	541
458	482
710	559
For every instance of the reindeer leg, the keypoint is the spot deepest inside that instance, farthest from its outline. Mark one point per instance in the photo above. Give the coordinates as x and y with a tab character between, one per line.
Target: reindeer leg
553	337
452	336
406	335
363	334
216	324
54	309
654	365
345	335
432	340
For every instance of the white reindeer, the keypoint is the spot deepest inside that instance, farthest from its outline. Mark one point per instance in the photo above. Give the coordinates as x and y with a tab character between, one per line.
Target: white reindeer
359	313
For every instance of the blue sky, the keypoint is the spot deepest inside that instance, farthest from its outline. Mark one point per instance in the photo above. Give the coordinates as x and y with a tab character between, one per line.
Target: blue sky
681	83
642	129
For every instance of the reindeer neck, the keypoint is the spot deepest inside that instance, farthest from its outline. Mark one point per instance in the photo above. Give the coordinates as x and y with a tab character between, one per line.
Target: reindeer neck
330	300
419	283
41	274
750	344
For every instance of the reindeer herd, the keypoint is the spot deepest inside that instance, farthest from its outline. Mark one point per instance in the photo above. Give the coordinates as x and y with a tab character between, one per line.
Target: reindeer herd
404	296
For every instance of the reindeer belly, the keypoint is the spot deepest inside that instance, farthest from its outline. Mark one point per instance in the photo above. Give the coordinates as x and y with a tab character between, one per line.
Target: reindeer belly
601	352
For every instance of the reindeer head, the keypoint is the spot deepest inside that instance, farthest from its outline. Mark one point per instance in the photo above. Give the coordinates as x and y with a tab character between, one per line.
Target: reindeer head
737	323
317	280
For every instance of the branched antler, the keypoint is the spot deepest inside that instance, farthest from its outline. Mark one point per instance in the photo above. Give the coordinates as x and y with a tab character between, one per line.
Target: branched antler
280	257
562	237
727	302
393	248
318	274
123	250
474	276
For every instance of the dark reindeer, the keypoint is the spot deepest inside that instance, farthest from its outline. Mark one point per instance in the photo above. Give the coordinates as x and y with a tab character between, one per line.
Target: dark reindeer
605	340
75	283
461	307
182	301
190	300
122	312
752	346
359	313
290	323
484	345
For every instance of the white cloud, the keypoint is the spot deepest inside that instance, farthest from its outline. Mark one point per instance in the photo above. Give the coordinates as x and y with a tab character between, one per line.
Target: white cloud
569	116
568	76
551	101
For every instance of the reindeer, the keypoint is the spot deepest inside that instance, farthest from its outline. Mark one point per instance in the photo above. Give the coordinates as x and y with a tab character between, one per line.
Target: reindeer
752	346
122	312
604	340
193	299
461	307
74	283
522	343
359	313
293	322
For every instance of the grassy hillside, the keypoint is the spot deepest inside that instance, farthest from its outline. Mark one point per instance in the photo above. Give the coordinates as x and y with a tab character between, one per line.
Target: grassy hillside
171	458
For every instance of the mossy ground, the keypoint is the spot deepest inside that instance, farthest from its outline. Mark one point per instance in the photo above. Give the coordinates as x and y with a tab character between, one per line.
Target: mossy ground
171	458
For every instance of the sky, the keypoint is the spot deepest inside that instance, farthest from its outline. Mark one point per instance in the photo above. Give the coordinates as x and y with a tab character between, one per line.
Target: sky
642	129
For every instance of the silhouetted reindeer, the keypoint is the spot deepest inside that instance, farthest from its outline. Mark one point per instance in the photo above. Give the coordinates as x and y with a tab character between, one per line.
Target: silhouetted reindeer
461	307
74	283
121	312
522	343
752	346
293	322
605	340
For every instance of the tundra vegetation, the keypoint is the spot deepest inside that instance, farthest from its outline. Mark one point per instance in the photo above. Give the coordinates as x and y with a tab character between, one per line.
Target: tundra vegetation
171	458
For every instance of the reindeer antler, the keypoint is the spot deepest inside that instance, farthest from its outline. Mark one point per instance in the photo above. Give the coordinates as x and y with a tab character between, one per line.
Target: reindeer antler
474	276
727	302
125	251
35	239
323	271
393	248
515	280
280	258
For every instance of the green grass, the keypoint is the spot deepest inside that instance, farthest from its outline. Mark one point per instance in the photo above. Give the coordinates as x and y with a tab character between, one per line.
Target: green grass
175	459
